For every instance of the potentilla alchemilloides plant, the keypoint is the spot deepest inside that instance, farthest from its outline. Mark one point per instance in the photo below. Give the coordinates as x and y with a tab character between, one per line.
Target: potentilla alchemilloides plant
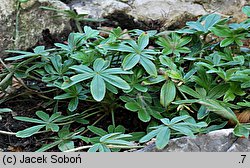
184	82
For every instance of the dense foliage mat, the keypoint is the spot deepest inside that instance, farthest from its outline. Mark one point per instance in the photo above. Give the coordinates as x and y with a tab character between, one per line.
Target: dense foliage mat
183	82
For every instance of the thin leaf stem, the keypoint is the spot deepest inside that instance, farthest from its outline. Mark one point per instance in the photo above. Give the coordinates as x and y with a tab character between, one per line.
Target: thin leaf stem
99	119
113	117
7	133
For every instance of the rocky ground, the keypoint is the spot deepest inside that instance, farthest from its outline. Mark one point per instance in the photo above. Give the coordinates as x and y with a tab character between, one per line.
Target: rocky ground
28	26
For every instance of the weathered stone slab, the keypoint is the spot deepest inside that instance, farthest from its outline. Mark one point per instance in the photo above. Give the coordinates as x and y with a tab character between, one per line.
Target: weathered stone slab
32	22
216	141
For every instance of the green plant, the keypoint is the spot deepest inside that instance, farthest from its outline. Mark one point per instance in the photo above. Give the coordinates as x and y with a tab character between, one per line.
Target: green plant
101	76
178	125
64	140
105	140
75	93
51	123
137	53
185	82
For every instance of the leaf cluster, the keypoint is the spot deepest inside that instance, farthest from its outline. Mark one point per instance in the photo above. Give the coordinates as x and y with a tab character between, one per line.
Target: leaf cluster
185	82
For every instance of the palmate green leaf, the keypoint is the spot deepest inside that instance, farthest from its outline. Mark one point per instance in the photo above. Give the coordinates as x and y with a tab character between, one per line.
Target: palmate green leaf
64	132
116	71
101	76
196	125
165	121
48	146
189	91
119	128
116	138
98	88
143	115
82	69
73	104
99	64
196	25
97	131
149	66
38	51
168	93
189	101
93	140
218	91
32	120
132	106
122	136
57	117
167	62
217	108
109	136
143	41
27	55
179	50
213	127
118	142
183	41
76	79
119	47
103	148
226	42
140	88
186	31
53	127
44	116
111	88
57	62
64	96
211	20
149	136
241	131
62	46
179	118
245	103
94	148
136	136
202	112
162	137
221	31
174	45
238	42
66	145
182	129
29	131
164	42
116	81
130	61
90	33
150	33
151	81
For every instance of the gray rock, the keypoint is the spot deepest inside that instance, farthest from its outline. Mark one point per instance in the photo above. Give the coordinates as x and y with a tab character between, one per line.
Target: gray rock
165	13
168	11
225	7
216	141
32	22
100	8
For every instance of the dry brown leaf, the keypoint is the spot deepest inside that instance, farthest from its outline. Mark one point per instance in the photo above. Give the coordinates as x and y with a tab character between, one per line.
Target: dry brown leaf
15	149
244	117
